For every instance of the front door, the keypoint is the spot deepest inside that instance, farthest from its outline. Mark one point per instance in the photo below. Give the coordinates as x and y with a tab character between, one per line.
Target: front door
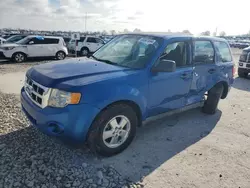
35	47
169	90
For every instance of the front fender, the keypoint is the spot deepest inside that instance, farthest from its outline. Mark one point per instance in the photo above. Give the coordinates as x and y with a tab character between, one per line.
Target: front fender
102	95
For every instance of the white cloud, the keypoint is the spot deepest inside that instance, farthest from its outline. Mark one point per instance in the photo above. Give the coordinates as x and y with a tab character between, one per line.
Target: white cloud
156	15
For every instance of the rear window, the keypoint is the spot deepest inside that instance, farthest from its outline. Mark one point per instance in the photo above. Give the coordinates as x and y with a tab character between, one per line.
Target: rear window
224	51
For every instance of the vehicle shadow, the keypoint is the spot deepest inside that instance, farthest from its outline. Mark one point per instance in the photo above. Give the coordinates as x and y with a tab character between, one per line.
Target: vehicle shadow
160	140
155	143
242	83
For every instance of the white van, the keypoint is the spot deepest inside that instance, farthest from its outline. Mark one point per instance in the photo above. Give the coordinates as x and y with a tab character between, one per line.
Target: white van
86	45
2	40
35	46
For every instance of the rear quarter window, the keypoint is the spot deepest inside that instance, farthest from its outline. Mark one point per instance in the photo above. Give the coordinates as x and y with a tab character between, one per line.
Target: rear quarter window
224	53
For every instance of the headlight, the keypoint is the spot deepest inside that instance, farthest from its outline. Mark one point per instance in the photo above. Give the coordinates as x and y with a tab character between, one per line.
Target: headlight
61	99
8	48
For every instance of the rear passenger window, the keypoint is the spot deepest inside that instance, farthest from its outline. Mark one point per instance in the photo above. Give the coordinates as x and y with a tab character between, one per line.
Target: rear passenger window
203	52
224	51
50	41
91	39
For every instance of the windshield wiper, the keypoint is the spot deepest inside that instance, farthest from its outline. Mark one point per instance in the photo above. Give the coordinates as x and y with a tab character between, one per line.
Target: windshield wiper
104	60
93	57
107	61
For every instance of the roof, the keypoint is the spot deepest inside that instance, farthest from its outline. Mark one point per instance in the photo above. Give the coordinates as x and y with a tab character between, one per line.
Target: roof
54	37
167	35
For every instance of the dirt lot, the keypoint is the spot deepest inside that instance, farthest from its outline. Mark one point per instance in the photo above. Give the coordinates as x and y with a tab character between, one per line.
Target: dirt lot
187	150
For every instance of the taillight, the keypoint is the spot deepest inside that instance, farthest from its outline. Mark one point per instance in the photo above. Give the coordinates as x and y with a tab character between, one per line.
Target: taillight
233	70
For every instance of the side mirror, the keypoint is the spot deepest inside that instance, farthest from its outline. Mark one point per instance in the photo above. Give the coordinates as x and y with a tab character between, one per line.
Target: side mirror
165	66
31	42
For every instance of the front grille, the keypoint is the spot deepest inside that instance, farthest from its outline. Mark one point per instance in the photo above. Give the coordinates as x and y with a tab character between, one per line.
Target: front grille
245	57
2	55
36	92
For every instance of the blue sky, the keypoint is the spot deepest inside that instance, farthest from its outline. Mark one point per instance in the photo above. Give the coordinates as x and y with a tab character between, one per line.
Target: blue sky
156	15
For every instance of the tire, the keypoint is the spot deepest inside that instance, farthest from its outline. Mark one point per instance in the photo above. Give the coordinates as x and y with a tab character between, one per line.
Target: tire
19	57
242	74
100	142
213	98
60	55
84	51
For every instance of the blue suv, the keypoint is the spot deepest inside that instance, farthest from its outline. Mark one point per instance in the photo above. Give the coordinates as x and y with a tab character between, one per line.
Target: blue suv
104	98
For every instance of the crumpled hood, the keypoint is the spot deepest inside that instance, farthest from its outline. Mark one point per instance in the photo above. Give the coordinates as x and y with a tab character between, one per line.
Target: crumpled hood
52	74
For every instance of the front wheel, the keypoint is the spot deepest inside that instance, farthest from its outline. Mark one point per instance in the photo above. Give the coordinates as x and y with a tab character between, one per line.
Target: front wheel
113	130
19	57
84	52
213	98
242	74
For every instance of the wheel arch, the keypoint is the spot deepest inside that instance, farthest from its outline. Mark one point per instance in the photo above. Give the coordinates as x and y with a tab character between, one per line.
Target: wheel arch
26	55
225	88
130	103
84	47
61	51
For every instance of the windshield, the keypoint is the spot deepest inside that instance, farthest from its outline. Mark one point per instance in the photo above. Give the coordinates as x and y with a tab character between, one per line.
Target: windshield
24	40
133	51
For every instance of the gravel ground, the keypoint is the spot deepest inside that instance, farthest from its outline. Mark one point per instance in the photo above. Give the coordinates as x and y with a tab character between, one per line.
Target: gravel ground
187	150
31	159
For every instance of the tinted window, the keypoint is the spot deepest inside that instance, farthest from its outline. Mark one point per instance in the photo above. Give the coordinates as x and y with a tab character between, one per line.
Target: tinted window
50	41
203	52
92	39
82	39
176	52
224	51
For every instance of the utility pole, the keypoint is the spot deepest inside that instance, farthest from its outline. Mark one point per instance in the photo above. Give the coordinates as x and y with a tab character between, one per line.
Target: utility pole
86	22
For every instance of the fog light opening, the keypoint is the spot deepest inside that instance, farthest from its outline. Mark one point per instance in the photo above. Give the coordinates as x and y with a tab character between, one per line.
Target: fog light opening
55	128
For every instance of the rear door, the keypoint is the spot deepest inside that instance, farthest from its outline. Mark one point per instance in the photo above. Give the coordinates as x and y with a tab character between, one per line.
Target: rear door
205	69
224	60
50	46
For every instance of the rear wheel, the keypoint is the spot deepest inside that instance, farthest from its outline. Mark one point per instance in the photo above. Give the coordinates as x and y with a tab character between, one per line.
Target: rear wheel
242	74
19	57
113	130
213	98
60	55
84	51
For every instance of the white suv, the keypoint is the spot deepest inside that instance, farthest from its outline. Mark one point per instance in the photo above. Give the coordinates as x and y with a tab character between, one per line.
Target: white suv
86	45
35	46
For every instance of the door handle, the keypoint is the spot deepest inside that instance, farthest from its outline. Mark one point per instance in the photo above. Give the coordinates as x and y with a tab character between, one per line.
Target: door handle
222	68
184	75
211	71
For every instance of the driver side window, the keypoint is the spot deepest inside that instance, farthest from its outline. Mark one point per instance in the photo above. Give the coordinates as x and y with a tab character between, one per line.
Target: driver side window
176	52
